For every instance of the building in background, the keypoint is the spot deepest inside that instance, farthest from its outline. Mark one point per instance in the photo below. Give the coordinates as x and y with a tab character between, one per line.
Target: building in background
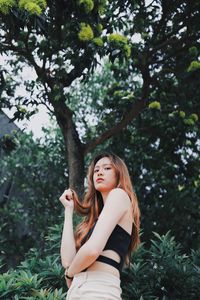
8	130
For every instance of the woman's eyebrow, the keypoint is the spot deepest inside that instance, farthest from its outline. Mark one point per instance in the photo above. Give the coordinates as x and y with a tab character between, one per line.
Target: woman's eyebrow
103	165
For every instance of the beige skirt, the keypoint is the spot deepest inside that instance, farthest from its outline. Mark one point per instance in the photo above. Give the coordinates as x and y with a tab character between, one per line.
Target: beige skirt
95	285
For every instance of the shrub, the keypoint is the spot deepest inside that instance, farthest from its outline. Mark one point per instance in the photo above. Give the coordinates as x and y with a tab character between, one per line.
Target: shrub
160	272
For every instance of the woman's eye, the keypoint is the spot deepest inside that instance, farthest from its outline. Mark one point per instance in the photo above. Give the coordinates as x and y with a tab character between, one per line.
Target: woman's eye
107	168
95	171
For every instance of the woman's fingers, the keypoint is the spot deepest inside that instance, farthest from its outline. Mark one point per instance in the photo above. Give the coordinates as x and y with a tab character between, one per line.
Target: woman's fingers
67	198
68	194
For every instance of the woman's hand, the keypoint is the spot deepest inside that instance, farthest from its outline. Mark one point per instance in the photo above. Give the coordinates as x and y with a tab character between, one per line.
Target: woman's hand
67	199
69	282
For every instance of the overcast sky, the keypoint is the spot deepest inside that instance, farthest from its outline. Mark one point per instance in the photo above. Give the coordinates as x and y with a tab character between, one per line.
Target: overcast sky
35	124
39	120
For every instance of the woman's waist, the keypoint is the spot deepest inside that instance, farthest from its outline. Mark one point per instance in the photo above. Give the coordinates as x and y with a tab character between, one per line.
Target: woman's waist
101	266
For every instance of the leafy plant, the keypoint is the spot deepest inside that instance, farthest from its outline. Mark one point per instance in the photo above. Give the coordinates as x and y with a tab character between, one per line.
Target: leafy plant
162	271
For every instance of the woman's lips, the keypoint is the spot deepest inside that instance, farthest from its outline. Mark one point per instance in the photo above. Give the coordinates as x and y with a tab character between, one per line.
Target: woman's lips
99	179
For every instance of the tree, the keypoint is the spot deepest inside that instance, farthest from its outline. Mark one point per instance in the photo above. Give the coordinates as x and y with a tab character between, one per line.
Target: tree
37	172
62	41
160	147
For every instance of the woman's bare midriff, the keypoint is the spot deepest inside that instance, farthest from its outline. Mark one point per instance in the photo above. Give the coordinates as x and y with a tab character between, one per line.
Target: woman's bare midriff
126	224
100	266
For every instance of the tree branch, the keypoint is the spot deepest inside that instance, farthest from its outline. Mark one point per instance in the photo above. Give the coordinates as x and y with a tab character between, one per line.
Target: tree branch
82	63
137	107
176	51
23	53
172	41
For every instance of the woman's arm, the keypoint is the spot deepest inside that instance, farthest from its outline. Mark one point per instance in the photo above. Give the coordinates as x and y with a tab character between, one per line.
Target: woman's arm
115	207
83	259
68	249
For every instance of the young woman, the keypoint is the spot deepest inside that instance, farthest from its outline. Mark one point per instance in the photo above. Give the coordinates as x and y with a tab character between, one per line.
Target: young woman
94	256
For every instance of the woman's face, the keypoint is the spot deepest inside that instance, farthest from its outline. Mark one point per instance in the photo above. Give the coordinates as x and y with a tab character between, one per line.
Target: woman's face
104	176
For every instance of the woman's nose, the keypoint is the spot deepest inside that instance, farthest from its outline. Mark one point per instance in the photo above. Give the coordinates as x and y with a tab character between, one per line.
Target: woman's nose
99	172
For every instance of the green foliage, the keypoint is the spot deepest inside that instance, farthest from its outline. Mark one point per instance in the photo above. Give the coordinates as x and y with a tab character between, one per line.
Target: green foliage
98	42
194	65
102	6
193	51
194	117
162	271
127	50
87	4
99	28
189	122
48	34
37	172
117	39
6	5
182	114
155	105
160	146
161	151
40	275
33	6
86	33
8	142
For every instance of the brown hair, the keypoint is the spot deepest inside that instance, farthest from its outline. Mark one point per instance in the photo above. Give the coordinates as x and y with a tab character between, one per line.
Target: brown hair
93	203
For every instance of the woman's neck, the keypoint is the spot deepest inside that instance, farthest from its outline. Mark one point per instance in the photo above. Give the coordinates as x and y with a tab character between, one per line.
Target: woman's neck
104	196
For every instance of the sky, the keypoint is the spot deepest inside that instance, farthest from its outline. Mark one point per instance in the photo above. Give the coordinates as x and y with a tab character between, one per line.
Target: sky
39	120
36	122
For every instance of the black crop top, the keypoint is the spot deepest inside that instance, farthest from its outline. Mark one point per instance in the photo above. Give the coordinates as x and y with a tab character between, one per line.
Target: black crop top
118	241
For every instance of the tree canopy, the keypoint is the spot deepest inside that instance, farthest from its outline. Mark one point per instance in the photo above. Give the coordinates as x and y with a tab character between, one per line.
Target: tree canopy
65	40
121	76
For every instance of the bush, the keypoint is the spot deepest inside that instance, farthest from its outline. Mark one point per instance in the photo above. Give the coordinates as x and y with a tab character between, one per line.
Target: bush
39	276
33	176
160	272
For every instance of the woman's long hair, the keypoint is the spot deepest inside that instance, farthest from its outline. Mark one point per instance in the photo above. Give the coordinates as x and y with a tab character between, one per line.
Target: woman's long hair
92	204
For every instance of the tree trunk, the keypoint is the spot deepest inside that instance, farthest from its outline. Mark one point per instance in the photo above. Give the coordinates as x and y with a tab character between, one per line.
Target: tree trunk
75	158
74	149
